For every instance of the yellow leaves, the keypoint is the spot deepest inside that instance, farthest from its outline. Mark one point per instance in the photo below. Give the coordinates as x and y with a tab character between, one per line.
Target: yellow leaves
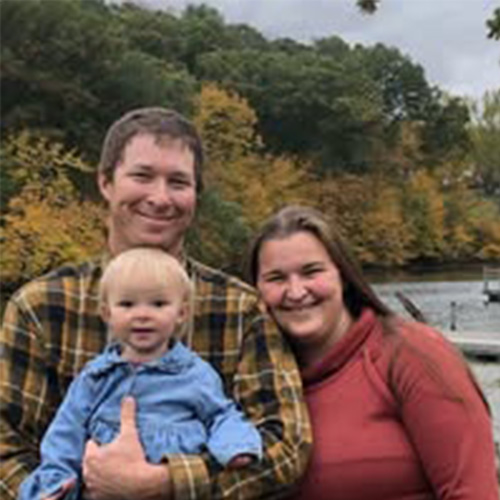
45	224
42	165
40	236
486	227
385	231
37	158
369	213
227	124
258	183
425	211
271	184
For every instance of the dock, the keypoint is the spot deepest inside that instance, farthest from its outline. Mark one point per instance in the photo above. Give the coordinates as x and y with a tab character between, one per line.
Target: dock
491	283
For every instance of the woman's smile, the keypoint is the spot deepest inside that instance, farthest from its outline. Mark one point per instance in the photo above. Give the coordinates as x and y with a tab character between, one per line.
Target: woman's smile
302	289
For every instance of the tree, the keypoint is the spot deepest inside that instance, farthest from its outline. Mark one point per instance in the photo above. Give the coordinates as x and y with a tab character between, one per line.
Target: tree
485	134
345	198
493	25
241	173
307	103
69	69
153	32
445	135
369	214
202	31
39	235
228	127
401	154
30	159
368	6
220	233
45	223
386	234
424	212
401	82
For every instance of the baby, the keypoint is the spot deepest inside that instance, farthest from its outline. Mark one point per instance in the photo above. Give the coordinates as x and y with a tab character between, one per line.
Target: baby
181	405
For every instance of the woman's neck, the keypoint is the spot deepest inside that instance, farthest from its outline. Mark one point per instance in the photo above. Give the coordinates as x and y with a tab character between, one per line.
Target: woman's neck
312	353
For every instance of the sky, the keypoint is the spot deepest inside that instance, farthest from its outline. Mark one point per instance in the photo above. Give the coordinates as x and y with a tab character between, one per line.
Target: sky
447	37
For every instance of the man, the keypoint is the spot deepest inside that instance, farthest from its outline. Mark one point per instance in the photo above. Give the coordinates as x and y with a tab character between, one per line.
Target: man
150	175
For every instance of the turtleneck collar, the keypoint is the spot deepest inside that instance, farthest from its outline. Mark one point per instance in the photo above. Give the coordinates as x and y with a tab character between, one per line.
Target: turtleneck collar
343	350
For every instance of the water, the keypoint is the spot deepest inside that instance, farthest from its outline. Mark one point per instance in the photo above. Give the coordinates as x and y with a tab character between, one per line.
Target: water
433	294
472	312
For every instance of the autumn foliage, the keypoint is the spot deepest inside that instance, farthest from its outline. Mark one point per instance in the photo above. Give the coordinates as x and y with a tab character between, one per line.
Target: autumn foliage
400	213
44	223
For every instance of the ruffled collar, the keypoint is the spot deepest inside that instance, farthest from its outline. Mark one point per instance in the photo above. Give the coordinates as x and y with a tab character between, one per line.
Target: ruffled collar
342	351
177	359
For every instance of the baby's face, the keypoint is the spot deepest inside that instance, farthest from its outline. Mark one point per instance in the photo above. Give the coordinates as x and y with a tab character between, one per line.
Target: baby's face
144	318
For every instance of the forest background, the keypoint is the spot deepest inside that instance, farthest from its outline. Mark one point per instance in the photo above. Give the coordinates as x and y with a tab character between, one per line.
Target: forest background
410	174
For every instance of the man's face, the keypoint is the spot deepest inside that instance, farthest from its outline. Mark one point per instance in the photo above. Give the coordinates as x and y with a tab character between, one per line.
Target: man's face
152	195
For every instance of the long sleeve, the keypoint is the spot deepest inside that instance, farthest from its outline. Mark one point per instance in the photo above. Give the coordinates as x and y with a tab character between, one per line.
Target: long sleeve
50	329
446	420
28	392
62	445
268	387
229	432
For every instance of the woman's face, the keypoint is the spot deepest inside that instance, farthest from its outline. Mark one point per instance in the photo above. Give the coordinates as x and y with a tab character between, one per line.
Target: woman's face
302	289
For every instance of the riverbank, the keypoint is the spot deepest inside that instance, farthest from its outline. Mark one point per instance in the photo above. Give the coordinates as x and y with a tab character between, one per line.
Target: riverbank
454	271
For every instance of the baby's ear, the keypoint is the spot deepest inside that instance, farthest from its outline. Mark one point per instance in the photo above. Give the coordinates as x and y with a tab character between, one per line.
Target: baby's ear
183	312
104	311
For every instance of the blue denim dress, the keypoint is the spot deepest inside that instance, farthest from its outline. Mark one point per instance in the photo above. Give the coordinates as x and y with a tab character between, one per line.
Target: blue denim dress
181	408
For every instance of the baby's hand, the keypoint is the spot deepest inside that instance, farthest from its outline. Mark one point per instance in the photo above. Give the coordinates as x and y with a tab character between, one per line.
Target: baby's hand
61	492
240	461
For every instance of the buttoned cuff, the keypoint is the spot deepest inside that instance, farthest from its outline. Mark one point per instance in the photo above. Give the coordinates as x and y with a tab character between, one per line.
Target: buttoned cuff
189	476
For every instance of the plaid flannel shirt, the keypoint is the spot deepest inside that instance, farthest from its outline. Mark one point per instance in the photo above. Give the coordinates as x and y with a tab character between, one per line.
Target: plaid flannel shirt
52	328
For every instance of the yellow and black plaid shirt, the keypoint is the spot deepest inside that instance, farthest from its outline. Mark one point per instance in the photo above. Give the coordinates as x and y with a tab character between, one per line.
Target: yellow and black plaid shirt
52	328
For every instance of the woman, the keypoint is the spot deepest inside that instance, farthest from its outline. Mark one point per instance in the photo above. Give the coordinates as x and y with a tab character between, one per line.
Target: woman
396	412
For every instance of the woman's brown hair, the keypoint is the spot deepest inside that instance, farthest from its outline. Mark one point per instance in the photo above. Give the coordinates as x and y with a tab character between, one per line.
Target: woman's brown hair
357	292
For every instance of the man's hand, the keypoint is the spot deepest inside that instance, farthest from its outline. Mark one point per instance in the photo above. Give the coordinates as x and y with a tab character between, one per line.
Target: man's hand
119	470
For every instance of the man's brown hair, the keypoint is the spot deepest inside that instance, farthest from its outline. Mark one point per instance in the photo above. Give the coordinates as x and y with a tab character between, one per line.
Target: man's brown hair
155	121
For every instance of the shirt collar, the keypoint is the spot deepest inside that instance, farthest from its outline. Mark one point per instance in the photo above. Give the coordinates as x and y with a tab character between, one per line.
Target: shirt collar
177	359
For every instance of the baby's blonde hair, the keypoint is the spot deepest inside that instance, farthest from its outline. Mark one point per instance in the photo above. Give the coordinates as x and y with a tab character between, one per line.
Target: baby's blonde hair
144	263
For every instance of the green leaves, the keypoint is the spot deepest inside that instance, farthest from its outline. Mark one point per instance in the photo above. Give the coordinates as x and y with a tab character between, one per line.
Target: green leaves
493	25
